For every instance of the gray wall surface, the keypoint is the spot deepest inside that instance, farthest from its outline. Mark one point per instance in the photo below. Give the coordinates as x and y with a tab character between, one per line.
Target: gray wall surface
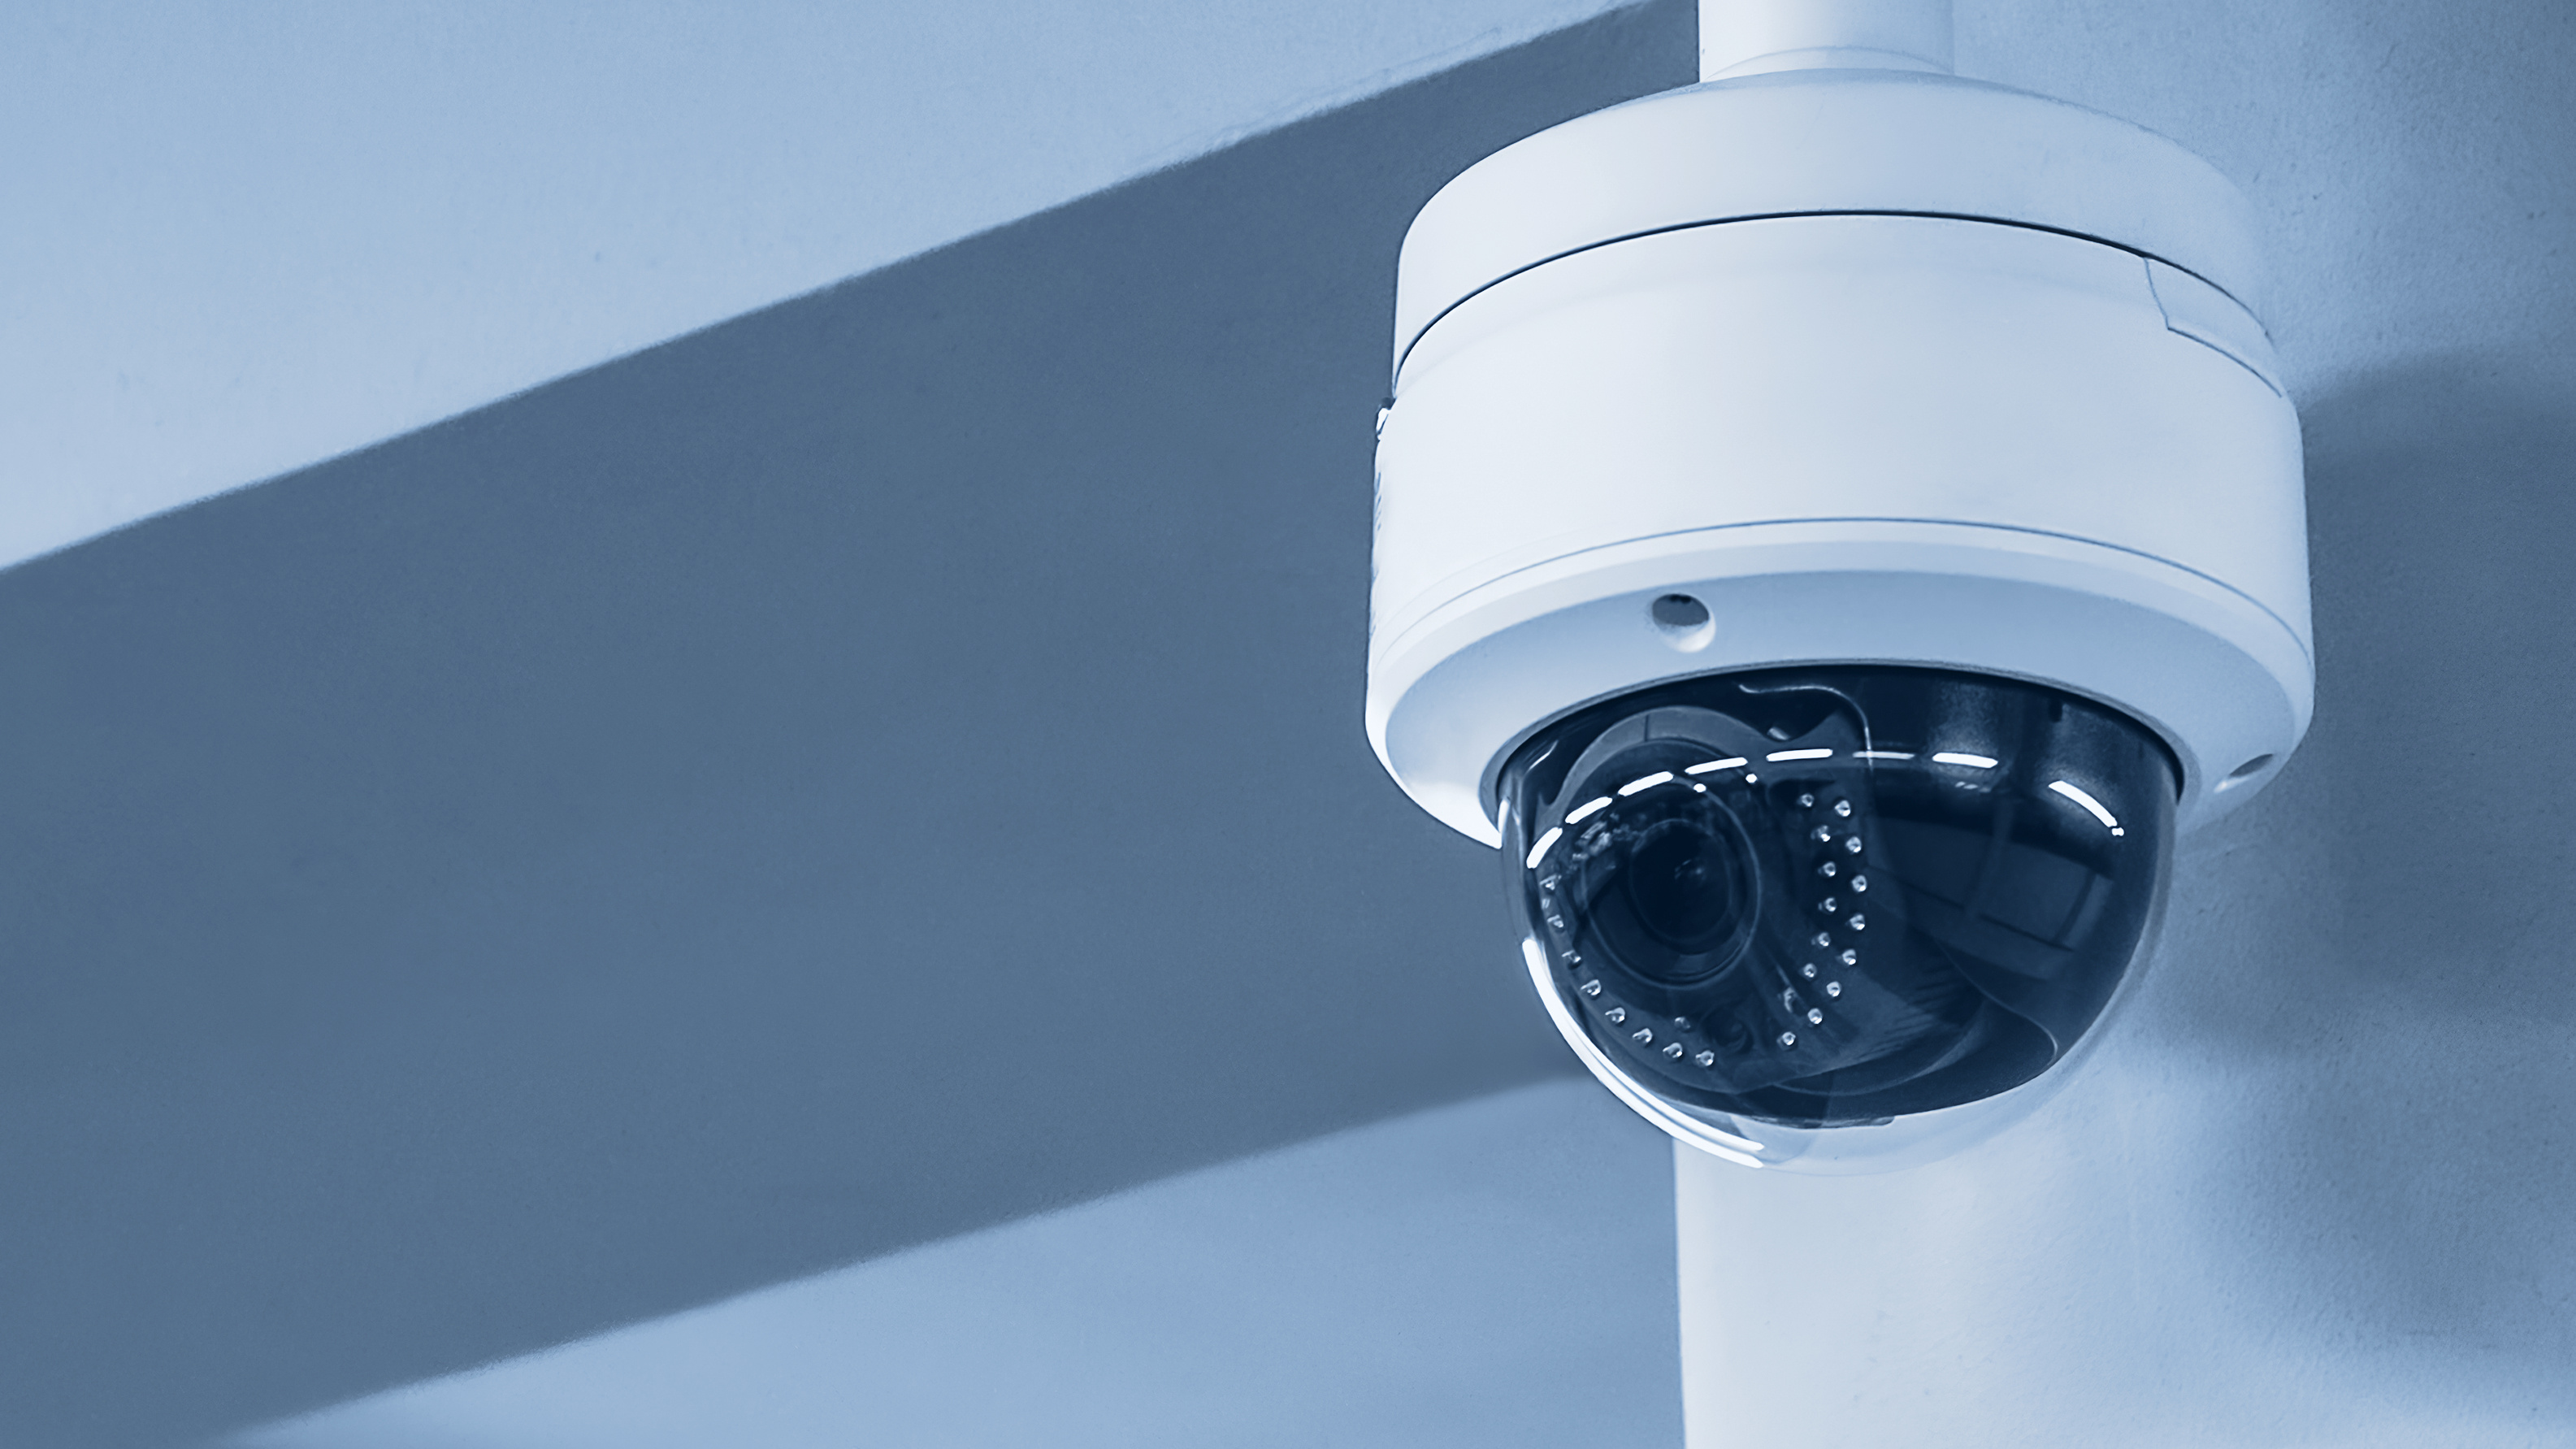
244	237
2319	1187
876	768
888	765
1494	1274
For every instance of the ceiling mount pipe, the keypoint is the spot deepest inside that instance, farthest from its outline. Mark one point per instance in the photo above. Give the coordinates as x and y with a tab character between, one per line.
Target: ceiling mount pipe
1748	37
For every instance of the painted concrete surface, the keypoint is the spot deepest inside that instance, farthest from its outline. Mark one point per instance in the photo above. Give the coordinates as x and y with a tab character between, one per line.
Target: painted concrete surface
240	239
1494	1275
879	768
471	891
2314	1190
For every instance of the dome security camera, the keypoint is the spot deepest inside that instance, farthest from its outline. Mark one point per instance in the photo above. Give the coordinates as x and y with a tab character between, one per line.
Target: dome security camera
1836	524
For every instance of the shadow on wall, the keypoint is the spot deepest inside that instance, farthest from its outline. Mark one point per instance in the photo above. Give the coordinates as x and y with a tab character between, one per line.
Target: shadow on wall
875	768
2411	980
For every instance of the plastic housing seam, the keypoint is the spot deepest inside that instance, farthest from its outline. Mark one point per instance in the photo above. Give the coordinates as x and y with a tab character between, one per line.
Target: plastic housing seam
1411	342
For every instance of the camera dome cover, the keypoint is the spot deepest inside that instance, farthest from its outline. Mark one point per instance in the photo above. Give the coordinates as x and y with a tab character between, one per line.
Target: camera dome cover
1781	903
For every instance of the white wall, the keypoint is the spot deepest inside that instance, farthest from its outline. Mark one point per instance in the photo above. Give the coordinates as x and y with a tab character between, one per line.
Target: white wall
240	239
2314	1190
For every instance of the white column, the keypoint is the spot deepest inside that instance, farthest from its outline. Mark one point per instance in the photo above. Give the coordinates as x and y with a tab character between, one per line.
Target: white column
1746	37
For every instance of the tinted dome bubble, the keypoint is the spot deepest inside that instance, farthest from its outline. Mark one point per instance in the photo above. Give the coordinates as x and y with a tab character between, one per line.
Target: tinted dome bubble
1830	897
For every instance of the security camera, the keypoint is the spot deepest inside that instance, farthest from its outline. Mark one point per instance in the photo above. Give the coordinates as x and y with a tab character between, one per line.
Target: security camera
1836	525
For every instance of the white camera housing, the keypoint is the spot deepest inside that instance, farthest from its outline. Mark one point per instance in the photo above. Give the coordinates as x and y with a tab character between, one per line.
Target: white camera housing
1876	364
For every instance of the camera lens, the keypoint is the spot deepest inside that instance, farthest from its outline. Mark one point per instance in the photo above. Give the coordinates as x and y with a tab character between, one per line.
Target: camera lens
1678	883
1659	877
1836	896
